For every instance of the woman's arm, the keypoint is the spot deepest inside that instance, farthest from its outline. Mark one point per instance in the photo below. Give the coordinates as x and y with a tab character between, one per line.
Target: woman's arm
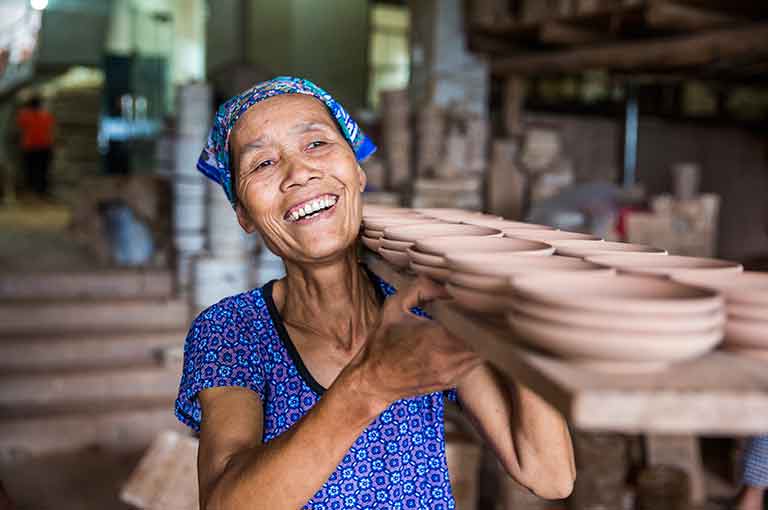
530	438
404	356
237	471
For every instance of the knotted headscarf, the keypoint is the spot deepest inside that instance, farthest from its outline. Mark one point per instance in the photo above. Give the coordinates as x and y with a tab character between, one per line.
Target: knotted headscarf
214	160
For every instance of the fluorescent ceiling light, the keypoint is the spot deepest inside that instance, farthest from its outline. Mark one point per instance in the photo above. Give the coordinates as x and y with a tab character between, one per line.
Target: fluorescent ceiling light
38	4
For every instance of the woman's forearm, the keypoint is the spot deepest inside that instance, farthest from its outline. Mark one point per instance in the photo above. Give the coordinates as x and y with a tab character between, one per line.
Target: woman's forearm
543	445
287	472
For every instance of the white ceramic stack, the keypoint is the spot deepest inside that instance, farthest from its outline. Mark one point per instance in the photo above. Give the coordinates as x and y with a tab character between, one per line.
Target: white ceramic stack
218	277
226	237
397	136
194	119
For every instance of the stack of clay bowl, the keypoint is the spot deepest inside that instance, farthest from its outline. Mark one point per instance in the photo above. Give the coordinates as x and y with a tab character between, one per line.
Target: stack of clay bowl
428	256
644	264
454	215
548	235
623	323
588	248
746	296
376	219
481	282
396	240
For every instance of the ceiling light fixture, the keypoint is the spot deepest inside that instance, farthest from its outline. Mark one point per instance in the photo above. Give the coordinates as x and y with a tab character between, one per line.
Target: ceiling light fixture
38	4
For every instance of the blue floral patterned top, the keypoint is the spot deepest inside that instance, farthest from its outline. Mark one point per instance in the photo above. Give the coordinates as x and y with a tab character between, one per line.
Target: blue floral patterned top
399	460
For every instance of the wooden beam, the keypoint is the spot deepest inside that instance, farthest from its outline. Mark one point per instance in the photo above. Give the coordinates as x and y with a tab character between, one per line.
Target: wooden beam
668	53
674	16
557	32
512	105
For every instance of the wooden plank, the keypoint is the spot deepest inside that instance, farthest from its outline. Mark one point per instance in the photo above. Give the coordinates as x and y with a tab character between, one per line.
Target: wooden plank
676	16
667	53
558	32
512	105
717	394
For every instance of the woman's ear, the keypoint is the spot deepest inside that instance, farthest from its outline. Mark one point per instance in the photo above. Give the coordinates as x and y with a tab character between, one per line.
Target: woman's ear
244	219
363	178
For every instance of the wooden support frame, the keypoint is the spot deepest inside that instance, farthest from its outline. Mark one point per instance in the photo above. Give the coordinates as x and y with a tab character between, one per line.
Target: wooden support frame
668	53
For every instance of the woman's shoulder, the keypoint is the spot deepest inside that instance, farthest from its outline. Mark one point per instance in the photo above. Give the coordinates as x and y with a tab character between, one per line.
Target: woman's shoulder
233	314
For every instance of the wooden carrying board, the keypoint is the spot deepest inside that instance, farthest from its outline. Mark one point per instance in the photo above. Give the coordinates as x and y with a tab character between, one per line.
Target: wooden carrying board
717	394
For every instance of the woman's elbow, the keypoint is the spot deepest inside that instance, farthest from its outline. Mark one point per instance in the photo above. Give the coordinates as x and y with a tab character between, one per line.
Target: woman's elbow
546	483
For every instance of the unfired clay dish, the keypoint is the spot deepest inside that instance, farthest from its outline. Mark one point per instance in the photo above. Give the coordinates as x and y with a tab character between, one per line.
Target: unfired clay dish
650	324
579	248
383	223
664	266
746	311
548	235
747	333
479	281
370	243
749	287
397	258
373	234
477	300
445	246
502	264
425	259
613	345
437	273
618	294
394	245
413	233
503	224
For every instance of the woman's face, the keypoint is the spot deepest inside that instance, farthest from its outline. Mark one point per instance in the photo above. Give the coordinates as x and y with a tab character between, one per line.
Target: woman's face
296	178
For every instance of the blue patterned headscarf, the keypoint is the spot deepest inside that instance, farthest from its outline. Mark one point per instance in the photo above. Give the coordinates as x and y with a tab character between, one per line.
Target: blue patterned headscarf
214	160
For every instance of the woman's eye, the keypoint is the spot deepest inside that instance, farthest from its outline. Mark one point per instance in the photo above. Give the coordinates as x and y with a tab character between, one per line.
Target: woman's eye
266	163
315	144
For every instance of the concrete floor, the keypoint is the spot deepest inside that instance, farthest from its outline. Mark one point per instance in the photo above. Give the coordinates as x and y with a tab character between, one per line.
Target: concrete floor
82	480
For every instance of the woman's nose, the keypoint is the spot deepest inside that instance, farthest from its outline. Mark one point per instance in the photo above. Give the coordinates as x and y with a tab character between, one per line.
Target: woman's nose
299	172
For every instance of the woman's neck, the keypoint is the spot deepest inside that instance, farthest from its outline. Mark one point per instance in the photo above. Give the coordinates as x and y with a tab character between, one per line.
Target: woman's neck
334	301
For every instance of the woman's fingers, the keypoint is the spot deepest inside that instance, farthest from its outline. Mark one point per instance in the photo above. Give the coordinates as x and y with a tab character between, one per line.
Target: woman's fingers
421	291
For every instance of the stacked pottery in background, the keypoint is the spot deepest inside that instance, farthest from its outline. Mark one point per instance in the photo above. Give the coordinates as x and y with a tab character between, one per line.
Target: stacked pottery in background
396	137
194	119
227	269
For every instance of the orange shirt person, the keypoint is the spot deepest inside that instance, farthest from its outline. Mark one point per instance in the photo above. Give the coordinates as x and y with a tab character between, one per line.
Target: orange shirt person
36	126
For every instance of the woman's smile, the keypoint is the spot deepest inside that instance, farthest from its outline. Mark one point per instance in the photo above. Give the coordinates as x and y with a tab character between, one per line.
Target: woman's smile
313	210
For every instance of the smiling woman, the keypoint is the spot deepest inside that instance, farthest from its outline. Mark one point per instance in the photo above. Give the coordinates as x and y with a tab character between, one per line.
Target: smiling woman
323	389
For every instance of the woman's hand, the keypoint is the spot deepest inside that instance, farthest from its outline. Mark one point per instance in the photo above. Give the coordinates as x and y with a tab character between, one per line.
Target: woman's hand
407	355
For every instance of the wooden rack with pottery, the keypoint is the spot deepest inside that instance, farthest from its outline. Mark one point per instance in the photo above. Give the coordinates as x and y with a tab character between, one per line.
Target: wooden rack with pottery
717	394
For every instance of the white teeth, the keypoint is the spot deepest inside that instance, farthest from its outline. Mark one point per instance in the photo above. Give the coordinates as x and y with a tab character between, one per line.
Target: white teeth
295	215
316	206
311	208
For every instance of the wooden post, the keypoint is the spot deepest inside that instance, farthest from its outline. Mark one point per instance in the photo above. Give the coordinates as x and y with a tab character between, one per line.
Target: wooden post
683	452
512	105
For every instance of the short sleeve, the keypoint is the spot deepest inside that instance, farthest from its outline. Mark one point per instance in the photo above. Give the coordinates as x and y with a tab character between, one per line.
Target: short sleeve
451	395
220	350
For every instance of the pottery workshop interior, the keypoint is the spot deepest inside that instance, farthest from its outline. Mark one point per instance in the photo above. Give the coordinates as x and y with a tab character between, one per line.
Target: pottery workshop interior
383	254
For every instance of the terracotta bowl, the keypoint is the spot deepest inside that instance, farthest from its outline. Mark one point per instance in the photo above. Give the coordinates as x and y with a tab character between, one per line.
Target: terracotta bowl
370	243
414	233
639	323
477	300
617	294
504	264
425	259
394	257
436	273
548	235
479	282
502	224
590	344
445	246
746	311
664	266
758	354
747	333
580	248
454	215
749	287
382	223
394	245
373	234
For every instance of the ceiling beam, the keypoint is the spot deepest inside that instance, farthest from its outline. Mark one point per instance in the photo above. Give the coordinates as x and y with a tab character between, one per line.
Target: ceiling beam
671	52
676	16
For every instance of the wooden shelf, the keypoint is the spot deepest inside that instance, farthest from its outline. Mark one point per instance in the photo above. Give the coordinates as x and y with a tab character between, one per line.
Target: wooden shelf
718	394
